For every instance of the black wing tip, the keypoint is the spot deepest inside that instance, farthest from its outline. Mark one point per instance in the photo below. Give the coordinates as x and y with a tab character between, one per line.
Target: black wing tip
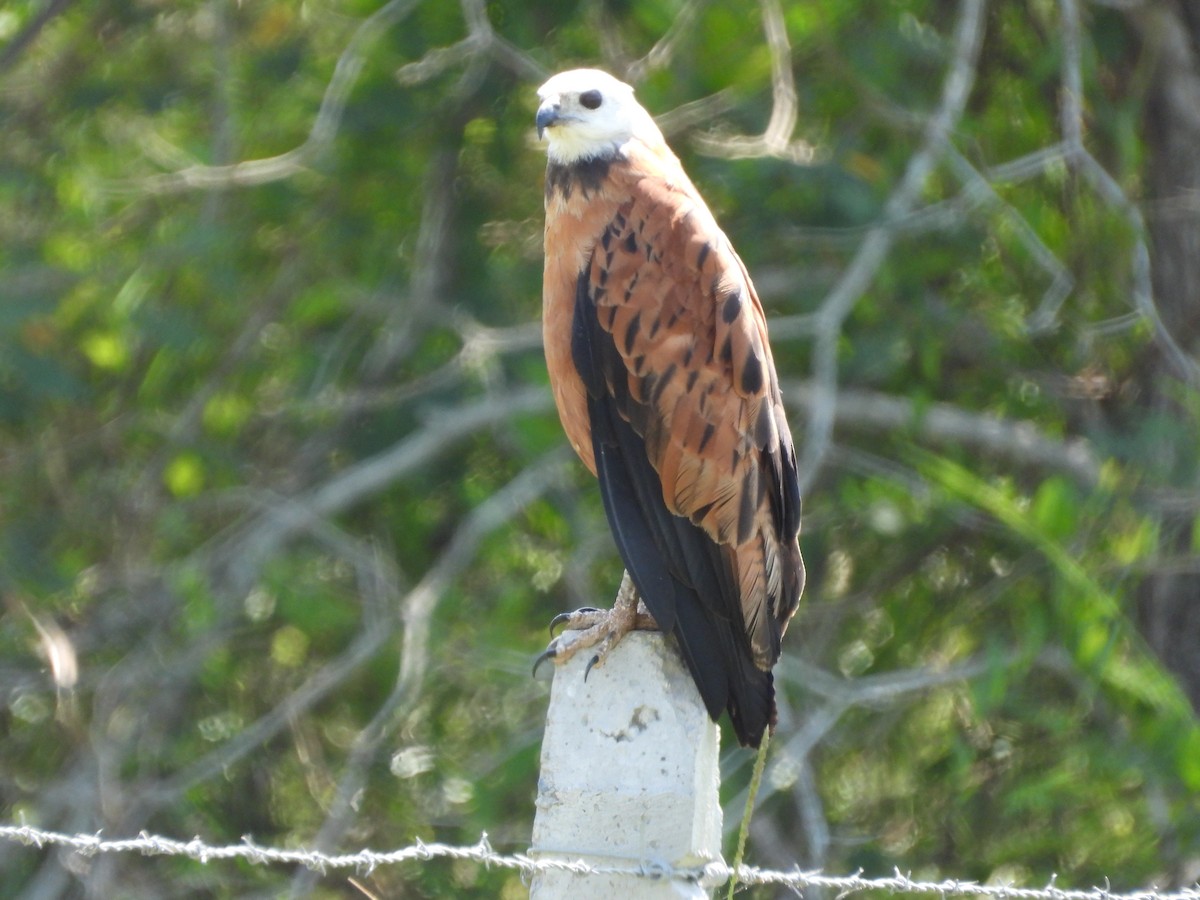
752	708
678	570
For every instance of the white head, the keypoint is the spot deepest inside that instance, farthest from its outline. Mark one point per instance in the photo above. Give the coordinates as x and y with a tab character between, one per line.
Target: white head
586	113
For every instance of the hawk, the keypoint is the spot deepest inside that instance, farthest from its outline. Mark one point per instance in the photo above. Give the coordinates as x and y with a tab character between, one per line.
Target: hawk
656	346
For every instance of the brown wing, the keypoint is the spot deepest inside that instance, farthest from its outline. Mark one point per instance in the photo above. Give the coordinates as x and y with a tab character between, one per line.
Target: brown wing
692	335
689	437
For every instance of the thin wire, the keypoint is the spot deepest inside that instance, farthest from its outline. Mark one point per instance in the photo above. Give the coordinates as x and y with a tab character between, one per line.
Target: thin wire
366	861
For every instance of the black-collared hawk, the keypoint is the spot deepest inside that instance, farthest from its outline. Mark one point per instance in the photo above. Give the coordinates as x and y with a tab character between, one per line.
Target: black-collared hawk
656	344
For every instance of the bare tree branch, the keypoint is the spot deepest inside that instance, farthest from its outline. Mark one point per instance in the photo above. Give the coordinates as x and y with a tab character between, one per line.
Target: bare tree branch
533	481
324	128
258	540
980	192
24	39
1184	366
875	247
430	269
776	141
378	627
659	56
482	346
1017	441
481	40
687	116
417	610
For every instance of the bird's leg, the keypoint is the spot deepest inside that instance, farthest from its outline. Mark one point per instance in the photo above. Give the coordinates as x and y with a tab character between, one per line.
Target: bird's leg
599	628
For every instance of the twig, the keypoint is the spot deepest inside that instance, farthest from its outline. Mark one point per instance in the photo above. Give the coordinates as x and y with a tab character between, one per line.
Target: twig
659	56
875	247
481	40
1018	441
775	141
257	541
13	49
980	191
324	128
430	269
886	688
1184	366
417	609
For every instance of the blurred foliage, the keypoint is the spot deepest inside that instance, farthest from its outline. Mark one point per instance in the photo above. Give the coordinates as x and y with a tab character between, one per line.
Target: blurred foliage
196	379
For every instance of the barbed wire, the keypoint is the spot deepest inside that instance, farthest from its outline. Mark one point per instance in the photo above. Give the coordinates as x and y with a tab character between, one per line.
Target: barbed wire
366	861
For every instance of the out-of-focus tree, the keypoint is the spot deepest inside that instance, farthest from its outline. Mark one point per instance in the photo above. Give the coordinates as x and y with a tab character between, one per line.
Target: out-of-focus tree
1167	609
285	507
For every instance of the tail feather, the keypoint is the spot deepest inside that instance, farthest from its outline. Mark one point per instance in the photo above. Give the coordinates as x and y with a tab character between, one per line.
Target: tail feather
684	579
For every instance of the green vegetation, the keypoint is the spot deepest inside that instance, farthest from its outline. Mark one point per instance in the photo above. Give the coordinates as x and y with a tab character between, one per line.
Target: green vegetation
285	507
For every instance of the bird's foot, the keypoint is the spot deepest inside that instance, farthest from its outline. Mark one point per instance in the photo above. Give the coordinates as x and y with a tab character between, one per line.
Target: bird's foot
602	629
580	620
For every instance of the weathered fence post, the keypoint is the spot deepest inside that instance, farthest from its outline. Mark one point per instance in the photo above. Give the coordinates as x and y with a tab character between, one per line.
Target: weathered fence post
629	776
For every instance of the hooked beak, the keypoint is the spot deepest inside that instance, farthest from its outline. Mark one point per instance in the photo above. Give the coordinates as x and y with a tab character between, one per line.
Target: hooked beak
547	115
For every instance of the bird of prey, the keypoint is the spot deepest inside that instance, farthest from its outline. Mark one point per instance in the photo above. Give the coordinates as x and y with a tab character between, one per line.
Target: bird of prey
656	345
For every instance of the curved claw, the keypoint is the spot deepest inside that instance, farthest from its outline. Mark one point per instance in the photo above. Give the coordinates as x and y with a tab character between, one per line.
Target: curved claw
563	618
591	662
549	653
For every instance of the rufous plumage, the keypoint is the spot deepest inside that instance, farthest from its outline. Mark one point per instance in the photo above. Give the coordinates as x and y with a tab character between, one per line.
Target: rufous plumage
656	345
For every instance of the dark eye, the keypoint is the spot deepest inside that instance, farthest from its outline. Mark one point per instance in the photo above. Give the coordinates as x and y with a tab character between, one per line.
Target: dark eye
591	99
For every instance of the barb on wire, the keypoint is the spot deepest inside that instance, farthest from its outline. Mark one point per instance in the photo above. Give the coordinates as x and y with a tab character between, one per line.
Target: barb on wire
366	861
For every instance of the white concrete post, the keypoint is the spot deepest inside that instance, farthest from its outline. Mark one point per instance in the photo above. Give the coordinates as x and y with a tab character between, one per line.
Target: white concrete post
629	775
